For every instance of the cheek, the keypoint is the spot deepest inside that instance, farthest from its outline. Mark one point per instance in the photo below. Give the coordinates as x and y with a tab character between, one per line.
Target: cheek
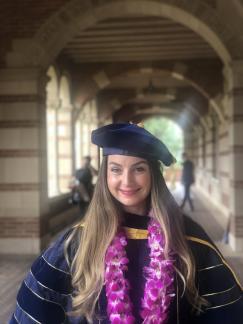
111	181
147	183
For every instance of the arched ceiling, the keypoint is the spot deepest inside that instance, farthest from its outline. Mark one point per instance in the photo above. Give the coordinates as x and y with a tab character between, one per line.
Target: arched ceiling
133	84
103	50
137	38
135	96
113	50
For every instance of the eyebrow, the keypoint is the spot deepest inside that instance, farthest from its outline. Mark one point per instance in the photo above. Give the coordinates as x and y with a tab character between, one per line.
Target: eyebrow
135	164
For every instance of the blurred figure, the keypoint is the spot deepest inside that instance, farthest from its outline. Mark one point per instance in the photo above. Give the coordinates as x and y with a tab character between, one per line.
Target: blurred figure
83	189
187	180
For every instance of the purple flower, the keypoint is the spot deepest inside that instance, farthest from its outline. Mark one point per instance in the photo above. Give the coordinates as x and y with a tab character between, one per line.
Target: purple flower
159	289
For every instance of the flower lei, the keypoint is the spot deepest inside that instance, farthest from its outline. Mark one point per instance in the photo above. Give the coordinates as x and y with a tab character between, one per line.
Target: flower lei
158	290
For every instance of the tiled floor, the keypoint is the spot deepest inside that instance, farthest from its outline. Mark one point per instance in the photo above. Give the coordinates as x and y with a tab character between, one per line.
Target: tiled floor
12	272
13	269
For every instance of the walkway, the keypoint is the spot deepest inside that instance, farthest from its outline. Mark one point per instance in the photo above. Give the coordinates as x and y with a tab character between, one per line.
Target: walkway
214	223
13	269
12	272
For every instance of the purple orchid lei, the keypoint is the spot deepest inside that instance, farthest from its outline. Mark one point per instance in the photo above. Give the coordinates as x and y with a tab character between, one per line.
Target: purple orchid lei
158	290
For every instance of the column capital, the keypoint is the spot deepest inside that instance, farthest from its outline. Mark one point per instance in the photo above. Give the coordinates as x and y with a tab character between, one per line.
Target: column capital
53	103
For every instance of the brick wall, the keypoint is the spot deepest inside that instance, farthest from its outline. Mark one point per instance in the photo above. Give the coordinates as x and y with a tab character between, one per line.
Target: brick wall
20	227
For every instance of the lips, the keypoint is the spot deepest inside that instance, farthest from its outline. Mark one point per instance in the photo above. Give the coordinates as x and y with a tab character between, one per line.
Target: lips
128	193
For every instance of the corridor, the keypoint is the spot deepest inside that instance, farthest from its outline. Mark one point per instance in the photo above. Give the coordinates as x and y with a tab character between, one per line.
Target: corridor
68	67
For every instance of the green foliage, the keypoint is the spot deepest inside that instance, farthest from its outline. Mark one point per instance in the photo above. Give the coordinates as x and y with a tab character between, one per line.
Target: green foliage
168	132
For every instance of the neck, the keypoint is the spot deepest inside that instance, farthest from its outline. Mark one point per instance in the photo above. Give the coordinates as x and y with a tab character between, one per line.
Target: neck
141	211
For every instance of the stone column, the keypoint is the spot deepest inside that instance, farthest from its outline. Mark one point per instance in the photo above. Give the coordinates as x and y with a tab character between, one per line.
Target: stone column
234	75
52	148
188	143
64	148
93	125
198	149
23	172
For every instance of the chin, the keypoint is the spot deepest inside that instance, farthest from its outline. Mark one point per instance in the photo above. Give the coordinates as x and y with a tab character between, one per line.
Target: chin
133	204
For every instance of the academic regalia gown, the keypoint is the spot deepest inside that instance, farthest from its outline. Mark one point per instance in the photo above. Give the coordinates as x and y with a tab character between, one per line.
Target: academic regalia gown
45	294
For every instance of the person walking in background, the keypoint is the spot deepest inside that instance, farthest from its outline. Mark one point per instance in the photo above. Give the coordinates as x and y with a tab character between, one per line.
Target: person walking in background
84	188
187	180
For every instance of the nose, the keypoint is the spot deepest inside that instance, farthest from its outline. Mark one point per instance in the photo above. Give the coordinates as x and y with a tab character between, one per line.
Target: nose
127	178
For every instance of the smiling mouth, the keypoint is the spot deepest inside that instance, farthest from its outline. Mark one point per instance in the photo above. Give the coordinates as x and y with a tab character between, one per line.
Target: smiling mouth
129	193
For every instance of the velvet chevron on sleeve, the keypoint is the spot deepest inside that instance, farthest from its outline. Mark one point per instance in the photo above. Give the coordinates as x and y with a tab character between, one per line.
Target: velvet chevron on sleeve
45	294
216	280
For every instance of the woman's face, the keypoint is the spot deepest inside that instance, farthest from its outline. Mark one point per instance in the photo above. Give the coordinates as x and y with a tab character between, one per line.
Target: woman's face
129	182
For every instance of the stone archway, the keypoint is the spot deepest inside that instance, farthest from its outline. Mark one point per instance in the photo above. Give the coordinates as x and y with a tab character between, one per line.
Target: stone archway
34	55
79	15
111	75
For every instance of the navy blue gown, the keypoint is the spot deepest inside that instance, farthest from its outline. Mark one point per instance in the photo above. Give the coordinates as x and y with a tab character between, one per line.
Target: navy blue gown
45	294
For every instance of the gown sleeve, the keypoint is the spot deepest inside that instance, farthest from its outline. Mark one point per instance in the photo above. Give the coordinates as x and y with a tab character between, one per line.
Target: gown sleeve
45	293
216	281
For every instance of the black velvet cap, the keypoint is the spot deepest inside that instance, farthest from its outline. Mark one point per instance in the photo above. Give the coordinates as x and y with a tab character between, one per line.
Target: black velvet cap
130	139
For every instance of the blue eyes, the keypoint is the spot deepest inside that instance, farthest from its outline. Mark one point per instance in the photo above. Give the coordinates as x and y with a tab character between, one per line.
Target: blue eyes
115	170
118	170
140	169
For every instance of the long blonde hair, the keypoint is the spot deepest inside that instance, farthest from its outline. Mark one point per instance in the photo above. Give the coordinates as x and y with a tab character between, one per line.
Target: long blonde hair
102	220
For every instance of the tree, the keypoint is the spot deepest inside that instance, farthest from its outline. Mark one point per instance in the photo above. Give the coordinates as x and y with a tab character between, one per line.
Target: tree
168	132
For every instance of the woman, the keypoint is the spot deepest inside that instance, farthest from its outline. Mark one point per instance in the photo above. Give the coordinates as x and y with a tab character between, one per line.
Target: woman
136	259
